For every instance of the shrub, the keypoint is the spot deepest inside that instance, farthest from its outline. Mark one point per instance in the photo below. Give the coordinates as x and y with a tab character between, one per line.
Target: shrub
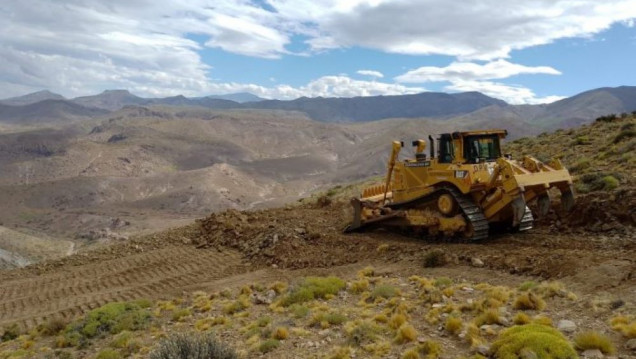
582	140
326	319
299	311
580	165
397	320
529	301
453	325
111	318
237	306
384	291
280	333
121	340
366	272
521	318
268	345
443	282
607	118
192	346
435	258
610	183
360	333
179	314
545	342
430	349
10	332
314	288
527	285
359	286
405	333
490	316
53	326
624	134
593	340
108	354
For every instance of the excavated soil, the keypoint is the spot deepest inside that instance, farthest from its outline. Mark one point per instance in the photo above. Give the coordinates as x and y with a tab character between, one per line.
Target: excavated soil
590	257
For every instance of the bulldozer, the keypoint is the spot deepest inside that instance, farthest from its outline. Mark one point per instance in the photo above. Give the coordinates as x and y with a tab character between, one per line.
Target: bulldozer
464	190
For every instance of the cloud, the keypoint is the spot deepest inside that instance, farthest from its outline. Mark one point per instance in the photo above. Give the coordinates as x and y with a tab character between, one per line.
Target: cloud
515	95
326	86
79	47
371	73
475	29
457	71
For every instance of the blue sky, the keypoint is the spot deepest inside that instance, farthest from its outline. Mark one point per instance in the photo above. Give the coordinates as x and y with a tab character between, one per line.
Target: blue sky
521	52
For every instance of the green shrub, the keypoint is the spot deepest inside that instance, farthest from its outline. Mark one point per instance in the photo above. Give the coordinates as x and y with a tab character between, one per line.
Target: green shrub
10	332
443	282
330	318
582	140
608	118
527	285
192	346
268	345
108	354
593	340
363	333
299	311
111	318
544	341
384	291
314	288
625	134
178	314
610	183
580	165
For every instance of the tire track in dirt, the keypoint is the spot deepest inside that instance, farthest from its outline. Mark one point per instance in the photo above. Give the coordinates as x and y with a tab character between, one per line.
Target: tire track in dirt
71	291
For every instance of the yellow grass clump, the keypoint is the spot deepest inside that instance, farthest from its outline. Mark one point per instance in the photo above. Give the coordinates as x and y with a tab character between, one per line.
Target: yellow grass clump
453	325
594	340
545	342
406	333
529	300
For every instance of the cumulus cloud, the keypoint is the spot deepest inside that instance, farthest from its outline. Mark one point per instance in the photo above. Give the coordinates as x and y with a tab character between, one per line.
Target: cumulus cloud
79	47
474	29
326	86
457	71
515	95
371	73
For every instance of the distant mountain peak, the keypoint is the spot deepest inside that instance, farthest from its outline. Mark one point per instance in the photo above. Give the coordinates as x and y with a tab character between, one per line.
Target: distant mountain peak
34	97
240	97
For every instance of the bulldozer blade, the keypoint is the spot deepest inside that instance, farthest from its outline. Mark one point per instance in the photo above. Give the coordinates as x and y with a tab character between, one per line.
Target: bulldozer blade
567	200
543	203
357	216
518	210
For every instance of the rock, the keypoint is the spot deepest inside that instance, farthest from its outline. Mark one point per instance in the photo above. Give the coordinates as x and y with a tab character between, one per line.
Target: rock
300	230
483	349
526	353
476	262
592	354
468	289
631	345
566	326
421	339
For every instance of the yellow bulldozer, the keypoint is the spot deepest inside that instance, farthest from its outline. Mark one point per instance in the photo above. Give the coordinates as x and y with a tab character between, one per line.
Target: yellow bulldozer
465	189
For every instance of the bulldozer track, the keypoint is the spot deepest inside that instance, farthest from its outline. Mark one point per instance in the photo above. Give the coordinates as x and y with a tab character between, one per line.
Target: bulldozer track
69	292
526	221
470	210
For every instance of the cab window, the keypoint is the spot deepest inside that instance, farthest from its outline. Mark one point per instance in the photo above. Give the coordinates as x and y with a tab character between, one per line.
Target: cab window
446	149
481	148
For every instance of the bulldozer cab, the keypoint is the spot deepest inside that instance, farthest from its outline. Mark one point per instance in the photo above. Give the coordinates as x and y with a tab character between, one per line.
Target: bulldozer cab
470	147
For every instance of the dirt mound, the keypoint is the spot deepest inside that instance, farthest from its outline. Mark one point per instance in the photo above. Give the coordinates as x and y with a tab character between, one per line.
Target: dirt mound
292	237
608	213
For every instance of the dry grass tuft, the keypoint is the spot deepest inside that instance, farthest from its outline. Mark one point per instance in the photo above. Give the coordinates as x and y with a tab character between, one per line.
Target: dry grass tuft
406	333
529	301
397	320
280	333
521	318
453	325
594	340
359	286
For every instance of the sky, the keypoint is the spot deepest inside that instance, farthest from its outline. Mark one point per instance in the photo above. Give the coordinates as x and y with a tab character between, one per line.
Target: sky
523	52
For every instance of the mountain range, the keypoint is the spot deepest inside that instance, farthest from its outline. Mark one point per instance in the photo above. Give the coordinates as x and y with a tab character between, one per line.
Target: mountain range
46	106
